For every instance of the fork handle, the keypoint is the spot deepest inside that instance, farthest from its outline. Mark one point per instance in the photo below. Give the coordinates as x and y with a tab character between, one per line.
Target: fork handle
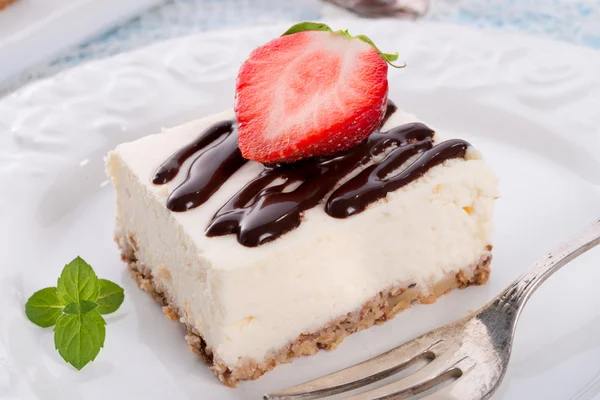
515	296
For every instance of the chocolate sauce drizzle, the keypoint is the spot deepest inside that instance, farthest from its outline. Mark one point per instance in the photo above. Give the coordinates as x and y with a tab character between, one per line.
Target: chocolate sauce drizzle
217	159
272	203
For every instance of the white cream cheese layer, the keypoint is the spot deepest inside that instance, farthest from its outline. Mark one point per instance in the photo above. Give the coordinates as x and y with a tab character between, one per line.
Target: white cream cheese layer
248	301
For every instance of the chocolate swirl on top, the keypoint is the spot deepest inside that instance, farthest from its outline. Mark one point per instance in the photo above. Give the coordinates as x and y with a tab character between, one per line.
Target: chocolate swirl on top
272	203
217	158
373	182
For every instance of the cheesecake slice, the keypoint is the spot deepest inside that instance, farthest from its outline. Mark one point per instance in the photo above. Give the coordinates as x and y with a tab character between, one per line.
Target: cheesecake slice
259	274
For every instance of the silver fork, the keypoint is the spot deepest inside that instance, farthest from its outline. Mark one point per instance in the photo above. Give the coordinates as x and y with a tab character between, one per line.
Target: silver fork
472	353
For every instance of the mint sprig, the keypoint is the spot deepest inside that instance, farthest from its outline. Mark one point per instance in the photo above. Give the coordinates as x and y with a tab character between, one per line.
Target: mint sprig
316	26
110	296
79	337
43	308
77	282
74	307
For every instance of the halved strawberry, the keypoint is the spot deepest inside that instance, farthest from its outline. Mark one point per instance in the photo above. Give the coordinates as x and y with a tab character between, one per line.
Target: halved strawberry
310	93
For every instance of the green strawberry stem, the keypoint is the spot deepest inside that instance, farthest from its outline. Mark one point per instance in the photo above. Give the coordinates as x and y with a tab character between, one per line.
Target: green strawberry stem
316	26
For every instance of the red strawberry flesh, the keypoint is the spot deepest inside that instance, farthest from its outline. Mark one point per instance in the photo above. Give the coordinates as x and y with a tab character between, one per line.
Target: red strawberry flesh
309	94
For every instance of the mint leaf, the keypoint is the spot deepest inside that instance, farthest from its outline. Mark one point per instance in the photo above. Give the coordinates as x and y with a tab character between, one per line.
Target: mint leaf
307	26
80	308
77	282
74	306
110	297
72	309
43	307
79	337
86	306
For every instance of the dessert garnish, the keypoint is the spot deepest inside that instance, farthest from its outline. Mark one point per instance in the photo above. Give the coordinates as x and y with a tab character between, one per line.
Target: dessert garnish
260	212
75	308
310	105
311	92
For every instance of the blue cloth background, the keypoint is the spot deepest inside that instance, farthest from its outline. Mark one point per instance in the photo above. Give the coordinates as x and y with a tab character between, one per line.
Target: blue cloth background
575	21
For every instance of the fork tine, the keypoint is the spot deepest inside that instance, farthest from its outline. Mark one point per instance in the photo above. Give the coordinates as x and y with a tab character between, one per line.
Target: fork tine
467	387
367	372
436	372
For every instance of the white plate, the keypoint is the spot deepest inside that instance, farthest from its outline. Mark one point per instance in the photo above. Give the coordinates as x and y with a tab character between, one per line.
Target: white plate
532	106
34	30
